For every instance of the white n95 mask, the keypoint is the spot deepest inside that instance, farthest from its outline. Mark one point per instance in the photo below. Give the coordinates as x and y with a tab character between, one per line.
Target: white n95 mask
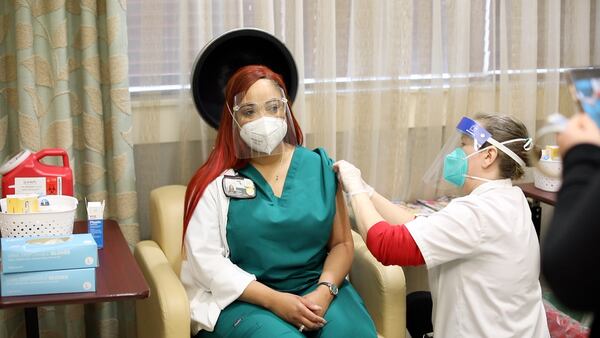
264	134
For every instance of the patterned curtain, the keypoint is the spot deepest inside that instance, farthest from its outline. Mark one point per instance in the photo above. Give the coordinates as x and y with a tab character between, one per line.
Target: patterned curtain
64	84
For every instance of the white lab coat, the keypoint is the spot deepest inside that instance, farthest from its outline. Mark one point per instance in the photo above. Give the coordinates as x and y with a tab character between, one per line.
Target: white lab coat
483	262
210	279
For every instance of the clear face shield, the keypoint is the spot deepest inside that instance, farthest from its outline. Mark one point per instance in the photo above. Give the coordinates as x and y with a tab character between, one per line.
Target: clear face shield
449	170
262	121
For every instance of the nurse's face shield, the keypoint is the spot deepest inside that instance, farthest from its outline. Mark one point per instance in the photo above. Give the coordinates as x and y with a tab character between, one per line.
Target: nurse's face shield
262	121
466	142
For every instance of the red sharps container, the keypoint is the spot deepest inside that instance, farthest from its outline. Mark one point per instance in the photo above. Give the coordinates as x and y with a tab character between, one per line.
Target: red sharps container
26	174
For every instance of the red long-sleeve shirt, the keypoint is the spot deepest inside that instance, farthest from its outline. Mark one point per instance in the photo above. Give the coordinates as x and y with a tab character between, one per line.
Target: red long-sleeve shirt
393	245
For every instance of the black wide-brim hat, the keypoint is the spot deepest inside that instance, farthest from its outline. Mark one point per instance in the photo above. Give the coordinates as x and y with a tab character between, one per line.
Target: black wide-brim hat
224	55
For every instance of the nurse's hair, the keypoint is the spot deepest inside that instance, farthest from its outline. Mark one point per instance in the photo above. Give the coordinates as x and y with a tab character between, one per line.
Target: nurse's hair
504	128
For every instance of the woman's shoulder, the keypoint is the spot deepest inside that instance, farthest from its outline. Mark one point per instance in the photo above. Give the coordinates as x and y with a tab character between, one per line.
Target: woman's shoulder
510	196
317	154
495	207
215	185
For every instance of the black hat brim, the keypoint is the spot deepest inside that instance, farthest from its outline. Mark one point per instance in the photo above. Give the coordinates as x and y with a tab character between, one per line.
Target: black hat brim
224	55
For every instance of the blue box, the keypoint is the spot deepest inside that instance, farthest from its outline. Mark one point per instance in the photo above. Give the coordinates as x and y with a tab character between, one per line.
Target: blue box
48	282
95	211
26	254
96	229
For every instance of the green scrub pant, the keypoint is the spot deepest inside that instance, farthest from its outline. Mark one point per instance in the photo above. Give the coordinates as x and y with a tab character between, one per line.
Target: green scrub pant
346	317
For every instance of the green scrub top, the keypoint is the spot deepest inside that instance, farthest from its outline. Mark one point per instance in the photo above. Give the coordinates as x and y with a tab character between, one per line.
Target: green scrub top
283	240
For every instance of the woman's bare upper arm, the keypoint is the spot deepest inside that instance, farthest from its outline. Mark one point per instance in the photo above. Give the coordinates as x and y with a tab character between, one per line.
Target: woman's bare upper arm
341	222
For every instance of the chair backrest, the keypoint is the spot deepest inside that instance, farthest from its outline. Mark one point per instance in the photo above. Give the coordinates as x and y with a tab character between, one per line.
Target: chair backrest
166	218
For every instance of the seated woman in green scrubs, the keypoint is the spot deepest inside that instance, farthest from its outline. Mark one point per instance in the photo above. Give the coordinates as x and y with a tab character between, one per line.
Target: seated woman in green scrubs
267	239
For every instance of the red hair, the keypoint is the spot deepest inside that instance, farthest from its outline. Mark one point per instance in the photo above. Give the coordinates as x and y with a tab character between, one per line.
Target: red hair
223	155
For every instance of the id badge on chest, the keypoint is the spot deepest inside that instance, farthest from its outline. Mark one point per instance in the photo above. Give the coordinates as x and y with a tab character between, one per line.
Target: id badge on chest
238	187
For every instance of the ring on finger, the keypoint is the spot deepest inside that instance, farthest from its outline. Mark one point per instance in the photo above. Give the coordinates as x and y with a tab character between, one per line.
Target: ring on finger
301	328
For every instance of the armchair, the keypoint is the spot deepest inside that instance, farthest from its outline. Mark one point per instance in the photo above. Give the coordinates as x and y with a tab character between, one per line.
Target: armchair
166	314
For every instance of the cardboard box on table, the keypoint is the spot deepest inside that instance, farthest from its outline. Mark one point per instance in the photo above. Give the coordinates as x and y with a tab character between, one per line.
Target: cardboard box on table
45	265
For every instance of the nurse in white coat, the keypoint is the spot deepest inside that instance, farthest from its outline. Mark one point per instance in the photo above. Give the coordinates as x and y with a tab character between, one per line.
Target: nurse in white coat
481	251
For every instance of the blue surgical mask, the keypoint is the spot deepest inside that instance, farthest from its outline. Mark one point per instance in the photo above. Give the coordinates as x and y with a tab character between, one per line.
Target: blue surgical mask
455	167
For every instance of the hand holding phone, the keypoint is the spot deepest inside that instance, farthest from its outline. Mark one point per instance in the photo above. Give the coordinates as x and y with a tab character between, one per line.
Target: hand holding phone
584	85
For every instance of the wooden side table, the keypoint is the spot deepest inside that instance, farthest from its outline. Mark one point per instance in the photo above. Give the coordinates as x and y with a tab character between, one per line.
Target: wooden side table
531	191
115	261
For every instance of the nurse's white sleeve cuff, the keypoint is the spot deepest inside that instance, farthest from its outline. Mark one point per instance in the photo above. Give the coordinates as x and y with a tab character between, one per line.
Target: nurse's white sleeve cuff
415	228
229	284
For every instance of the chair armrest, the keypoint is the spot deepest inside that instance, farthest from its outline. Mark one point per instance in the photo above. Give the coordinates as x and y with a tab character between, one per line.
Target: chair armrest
166	312
166	218
383	289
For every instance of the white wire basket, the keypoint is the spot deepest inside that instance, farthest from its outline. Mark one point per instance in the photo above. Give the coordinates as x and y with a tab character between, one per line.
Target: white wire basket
54	219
